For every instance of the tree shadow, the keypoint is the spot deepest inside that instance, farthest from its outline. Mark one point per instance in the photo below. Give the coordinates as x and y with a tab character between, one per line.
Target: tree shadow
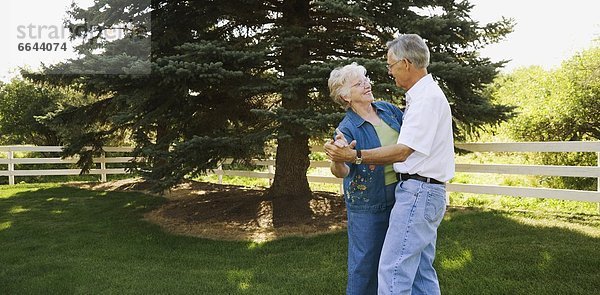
68	240
495	252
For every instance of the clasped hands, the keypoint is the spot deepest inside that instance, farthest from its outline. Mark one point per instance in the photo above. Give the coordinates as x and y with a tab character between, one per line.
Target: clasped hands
339	150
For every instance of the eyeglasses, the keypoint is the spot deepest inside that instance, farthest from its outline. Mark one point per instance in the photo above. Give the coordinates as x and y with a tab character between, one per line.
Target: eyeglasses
363	83
389	67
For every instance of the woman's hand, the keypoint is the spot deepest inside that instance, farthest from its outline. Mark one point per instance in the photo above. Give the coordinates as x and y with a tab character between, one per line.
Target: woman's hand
340	150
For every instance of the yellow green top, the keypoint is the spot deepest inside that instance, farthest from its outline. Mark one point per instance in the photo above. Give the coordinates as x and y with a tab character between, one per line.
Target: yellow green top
387	136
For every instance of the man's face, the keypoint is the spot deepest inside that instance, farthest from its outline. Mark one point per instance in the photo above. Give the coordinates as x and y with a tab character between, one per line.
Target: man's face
399	70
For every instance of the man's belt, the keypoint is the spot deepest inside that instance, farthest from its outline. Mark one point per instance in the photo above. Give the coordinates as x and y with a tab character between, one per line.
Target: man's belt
406	176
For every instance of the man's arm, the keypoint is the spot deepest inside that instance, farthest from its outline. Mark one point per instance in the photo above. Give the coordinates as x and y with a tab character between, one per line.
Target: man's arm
379	156
386	154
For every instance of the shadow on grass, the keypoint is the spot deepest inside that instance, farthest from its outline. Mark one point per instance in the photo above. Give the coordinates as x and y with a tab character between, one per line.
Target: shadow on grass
68	240
495	252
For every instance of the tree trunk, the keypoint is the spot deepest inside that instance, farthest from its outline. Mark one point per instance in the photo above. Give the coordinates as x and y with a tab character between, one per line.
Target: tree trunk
290	191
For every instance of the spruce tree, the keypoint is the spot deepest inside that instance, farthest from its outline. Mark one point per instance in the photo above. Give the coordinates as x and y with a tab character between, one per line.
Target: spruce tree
228	76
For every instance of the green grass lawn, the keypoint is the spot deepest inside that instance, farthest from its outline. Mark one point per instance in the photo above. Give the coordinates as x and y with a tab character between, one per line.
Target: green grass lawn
62	240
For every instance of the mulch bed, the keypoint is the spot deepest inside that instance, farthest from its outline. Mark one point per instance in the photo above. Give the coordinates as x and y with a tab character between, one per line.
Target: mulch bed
228	212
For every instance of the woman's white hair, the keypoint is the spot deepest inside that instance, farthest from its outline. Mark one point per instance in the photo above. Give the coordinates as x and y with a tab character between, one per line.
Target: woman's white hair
338	82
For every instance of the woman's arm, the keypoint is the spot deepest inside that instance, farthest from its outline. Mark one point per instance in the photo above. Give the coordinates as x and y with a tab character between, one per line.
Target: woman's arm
339	169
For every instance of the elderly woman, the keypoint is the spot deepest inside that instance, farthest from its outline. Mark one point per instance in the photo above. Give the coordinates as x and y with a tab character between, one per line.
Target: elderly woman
368	189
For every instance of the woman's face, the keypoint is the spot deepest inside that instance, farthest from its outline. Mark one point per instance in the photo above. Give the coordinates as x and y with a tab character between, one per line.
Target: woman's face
360	91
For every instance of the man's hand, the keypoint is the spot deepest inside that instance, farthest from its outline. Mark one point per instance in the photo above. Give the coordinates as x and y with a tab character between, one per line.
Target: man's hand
339	150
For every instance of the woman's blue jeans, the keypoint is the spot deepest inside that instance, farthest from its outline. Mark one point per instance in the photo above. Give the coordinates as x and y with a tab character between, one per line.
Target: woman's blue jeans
406	264
366	233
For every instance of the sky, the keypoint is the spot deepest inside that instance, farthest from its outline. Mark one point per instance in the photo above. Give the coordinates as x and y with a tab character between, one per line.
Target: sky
546	32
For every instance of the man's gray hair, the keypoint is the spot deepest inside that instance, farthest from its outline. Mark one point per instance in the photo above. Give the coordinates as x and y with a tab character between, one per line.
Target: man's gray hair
338	82
411	47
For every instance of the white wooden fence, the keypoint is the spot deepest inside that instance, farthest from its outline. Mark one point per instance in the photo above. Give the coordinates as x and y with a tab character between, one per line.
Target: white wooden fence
564	194
11	160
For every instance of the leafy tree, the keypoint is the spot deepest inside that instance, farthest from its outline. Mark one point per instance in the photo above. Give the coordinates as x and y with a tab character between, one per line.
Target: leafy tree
228	76
556	105
581	120
22	103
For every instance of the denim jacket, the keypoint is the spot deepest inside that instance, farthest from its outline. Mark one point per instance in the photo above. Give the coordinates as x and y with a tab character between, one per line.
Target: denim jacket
364	187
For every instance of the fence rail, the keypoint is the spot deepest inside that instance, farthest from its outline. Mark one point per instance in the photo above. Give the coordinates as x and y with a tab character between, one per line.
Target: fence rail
549	170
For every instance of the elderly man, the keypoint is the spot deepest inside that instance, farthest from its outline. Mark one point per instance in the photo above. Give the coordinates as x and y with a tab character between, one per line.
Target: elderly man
423	160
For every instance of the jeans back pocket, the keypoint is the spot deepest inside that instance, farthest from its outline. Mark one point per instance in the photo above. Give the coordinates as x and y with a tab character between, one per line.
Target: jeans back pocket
435	206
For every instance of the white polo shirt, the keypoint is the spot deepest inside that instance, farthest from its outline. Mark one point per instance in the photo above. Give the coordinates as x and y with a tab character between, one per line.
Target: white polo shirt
427	129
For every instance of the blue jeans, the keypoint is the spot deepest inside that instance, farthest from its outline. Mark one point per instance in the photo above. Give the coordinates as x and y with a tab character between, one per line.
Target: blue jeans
366	232
406	264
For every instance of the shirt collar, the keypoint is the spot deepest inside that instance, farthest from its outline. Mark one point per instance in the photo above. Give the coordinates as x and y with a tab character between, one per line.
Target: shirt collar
419	87
358	120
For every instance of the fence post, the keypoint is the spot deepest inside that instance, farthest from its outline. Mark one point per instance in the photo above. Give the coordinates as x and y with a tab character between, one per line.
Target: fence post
271	171
103	167
598	180
11	167
220	169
